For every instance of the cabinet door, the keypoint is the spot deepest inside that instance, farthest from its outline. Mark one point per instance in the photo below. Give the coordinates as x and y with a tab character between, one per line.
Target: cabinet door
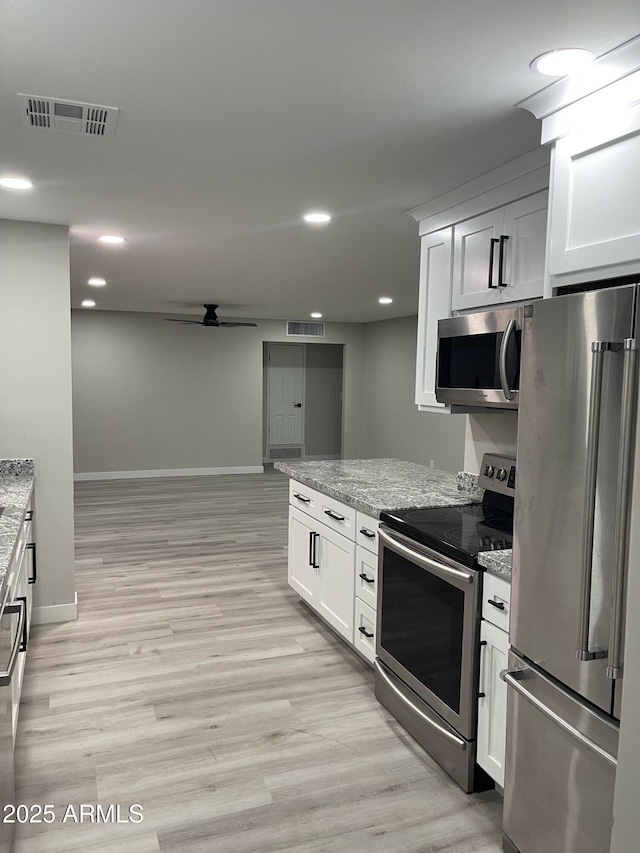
472	255
336	593
492	707
595	215
525	224
20	590
434	304
303	546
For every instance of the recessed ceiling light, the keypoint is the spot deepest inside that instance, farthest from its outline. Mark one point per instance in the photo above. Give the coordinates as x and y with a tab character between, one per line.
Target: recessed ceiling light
16	183
97	282
561	62
385	300
111	238
317	217
88	303
316	315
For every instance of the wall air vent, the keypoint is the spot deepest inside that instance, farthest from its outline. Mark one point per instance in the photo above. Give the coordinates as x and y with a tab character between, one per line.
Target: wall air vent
307	330
285	453
67	116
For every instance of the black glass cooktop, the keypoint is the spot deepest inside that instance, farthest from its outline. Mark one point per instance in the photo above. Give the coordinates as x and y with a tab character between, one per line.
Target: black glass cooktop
460	532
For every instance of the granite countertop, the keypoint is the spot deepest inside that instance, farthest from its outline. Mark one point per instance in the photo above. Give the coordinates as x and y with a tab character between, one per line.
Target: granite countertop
16	483
497	562
375	485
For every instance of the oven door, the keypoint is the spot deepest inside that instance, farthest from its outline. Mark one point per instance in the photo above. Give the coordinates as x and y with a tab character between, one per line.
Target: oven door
478	361
427	626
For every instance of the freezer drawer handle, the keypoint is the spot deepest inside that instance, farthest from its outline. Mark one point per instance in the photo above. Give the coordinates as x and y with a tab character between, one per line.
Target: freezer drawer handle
18	607
583	652
498	604
459	742
513	677
623	507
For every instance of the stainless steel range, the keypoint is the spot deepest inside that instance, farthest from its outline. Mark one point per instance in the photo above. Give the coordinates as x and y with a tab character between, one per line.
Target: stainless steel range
427	640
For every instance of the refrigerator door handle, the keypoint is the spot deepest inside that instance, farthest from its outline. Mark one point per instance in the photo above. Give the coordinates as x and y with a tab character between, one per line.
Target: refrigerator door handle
504	343
583	652
623	507
513	679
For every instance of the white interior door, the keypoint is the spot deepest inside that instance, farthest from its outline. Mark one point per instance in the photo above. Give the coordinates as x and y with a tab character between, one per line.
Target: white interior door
286	394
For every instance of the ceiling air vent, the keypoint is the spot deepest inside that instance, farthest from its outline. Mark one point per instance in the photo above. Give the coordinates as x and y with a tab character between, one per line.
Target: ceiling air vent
309	330
67	116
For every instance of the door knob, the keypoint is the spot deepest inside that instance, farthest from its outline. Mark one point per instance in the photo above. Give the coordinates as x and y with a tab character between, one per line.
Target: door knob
297	405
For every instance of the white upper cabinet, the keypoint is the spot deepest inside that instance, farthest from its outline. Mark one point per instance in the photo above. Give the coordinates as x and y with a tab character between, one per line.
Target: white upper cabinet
434	304
499	256
596	186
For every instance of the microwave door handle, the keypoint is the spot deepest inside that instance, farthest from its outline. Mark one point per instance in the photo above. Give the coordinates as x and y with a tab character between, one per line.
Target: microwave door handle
623	506
504	345
492	244
583	653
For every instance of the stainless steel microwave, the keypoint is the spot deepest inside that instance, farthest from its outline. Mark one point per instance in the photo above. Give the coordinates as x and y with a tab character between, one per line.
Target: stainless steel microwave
478	360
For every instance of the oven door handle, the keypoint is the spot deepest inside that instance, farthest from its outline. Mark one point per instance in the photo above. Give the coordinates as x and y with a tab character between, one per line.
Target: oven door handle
445	572
458	741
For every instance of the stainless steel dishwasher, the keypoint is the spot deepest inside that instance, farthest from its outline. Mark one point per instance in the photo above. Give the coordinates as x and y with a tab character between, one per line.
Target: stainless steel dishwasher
12	635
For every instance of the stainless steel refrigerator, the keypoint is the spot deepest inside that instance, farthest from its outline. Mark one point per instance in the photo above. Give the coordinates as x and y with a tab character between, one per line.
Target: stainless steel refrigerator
576	429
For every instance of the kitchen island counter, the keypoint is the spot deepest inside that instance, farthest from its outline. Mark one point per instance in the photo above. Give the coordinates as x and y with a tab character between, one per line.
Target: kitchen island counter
16	484
497	562
376	485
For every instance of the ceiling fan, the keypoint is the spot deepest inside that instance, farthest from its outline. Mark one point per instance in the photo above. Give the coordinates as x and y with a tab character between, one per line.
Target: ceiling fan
210	319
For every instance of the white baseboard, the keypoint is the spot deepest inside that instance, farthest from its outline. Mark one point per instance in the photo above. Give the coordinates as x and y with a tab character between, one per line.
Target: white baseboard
55	613
168	472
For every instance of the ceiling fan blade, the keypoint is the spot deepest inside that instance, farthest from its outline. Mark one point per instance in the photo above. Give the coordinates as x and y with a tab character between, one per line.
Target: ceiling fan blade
185	322
234	325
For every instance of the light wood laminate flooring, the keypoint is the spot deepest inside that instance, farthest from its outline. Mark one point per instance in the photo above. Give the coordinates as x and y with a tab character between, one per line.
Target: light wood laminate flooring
195	684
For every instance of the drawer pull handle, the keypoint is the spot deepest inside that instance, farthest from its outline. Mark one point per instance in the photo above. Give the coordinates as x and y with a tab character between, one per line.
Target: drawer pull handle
300	498
366	579
334	515
367	533
34	565
497	604
365	632
29	515
481	695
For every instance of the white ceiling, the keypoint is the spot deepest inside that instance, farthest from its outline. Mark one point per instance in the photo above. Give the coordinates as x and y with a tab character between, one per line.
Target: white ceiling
237	116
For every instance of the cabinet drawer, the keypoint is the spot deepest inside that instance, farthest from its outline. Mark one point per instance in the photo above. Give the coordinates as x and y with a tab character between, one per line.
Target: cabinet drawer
367	531
364	634
496	598
336	515
303	497
367	577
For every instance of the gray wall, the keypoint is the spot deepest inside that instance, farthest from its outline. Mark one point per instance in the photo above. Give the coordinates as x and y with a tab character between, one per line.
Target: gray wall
150	395
323	400
393	425
35	389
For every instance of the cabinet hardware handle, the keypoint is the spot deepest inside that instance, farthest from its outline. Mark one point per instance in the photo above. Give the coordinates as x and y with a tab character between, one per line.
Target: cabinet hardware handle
492	245
301	498
365	632
483	642
311	548
334	515
365	578
29	515
23	642
501	253
32	547
367	533
481	695
315	564
498	604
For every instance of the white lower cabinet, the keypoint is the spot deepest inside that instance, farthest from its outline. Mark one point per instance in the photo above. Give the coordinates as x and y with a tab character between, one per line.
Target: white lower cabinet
492	702
328	570
364	637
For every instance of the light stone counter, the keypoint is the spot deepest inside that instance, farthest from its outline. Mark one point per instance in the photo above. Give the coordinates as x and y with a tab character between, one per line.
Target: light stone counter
497	562
376	485
16	484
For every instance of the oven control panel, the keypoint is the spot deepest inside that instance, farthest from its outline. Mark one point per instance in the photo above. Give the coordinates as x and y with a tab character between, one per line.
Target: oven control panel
498	473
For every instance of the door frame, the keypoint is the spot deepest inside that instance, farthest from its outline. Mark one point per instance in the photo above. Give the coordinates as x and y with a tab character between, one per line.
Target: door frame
268	444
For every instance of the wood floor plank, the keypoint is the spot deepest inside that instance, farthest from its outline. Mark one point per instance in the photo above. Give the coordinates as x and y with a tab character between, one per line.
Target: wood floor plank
196	684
